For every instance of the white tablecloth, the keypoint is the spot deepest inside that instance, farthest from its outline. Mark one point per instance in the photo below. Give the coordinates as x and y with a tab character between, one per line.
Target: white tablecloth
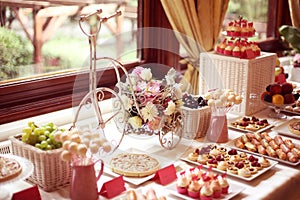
280	182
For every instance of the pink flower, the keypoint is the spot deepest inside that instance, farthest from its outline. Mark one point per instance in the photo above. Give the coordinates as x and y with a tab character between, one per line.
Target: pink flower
137	71
297	58
153	88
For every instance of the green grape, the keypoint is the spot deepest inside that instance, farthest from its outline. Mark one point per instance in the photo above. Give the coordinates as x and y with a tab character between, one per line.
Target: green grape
38	131
25	138
51	124
42	138
48	147
38	145
44	144
27	130
49	141
48	128
47	133
32	139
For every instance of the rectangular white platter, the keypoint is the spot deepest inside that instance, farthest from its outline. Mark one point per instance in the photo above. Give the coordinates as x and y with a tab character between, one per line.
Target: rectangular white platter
234	190
283	129
231	145
184	157
244	130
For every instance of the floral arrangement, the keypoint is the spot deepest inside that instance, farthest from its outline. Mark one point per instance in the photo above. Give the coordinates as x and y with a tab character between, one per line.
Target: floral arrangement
150	103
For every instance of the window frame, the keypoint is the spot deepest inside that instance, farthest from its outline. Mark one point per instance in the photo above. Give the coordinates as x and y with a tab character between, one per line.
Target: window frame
28	98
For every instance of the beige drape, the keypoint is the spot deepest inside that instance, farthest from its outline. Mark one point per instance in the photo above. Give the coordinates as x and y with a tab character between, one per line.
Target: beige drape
197	25
294	6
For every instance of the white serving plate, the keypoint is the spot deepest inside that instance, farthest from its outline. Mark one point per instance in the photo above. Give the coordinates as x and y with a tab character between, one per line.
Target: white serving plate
133	180
27	169
234	190
283	129
259	172
159	191
231	144
248	131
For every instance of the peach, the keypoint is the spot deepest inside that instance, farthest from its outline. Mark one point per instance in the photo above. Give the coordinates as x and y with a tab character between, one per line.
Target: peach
278	99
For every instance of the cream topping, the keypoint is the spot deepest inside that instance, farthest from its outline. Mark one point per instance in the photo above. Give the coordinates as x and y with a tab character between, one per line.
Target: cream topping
206	190
195	186
182	181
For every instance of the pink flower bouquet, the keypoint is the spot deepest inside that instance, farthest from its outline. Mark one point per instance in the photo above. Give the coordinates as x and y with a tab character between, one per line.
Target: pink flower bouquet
151	104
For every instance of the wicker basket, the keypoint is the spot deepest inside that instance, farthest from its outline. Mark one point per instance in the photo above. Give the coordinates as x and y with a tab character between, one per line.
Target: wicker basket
196	122
247	77
50	172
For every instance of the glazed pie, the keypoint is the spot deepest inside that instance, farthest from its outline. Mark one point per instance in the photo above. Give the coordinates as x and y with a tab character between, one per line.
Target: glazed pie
134	165
9	168
294	127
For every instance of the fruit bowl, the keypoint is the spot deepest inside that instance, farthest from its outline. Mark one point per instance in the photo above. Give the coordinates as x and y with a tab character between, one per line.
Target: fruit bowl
277	110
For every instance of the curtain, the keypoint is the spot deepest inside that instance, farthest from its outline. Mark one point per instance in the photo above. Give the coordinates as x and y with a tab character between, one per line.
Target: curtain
294	6
197	25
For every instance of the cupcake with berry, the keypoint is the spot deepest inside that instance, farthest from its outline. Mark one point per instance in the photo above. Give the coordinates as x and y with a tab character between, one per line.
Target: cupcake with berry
224	183
216	187
194	188
206	193
182	183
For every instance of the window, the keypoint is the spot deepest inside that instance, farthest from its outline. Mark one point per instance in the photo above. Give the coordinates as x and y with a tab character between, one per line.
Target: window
31	97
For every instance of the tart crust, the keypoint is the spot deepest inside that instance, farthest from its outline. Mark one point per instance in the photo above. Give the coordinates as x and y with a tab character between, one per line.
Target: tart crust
134	165
294	127
9	168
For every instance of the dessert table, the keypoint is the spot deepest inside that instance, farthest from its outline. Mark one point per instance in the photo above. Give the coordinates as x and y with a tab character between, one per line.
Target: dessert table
280	182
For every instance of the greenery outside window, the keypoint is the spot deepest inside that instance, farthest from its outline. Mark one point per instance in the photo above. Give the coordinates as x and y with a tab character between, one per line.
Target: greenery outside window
40	95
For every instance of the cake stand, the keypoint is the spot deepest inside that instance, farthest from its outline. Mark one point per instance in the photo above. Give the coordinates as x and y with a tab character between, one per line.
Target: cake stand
277	114
27	169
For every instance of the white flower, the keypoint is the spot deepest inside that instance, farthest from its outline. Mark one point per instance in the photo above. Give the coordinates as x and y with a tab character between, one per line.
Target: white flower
133	79
170	77
136	122
127	102
177	91
146	74
149	112
170	108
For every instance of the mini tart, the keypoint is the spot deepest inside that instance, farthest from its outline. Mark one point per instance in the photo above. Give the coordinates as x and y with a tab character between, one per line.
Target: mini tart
202	159
294	126
9	168
222	165
134	165
252	127
235	158
264	162
243	155
253	170
193	156
211	164
244	172
215	152
232	170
